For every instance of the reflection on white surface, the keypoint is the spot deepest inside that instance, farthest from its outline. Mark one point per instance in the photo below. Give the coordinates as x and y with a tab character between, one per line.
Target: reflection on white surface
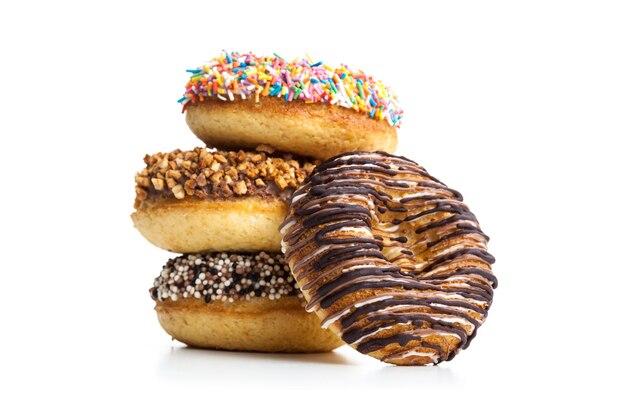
343	367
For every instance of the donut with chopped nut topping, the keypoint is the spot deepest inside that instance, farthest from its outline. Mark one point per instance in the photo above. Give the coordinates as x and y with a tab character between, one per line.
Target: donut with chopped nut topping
205	200
237	301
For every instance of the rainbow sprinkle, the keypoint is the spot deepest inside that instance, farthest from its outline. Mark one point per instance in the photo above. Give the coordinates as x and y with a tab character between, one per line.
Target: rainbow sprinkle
234	75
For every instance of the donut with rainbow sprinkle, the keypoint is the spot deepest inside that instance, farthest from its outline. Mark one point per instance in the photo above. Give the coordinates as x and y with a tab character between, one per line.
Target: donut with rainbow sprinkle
301	106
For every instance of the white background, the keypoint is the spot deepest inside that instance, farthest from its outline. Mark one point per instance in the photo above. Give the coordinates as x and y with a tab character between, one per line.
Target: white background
519	105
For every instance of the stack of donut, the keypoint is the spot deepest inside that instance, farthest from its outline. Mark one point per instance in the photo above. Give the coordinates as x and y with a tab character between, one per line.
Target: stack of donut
266	122
231	288
378	253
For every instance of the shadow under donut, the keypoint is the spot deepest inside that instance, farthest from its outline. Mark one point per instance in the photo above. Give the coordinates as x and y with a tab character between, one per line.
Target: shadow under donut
341	368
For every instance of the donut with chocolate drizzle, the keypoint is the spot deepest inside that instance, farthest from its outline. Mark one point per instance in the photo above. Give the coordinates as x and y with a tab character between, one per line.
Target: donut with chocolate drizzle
389	257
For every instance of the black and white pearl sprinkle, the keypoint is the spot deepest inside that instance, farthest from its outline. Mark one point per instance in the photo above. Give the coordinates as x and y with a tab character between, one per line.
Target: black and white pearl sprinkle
225	277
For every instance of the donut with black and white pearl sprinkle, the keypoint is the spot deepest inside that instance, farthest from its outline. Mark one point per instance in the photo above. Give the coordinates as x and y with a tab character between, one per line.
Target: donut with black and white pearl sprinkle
237	301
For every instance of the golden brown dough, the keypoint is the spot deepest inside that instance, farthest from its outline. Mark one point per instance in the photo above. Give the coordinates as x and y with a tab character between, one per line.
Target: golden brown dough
258	324
315	130
245	224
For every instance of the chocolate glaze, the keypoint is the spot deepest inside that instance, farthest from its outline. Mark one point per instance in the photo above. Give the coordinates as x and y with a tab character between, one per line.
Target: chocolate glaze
222	191
389	257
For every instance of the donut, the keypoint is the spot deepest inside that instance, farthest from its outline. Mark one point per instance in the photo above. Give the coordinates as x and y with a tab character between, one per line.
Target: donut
243	100
203	200
389	258
237	301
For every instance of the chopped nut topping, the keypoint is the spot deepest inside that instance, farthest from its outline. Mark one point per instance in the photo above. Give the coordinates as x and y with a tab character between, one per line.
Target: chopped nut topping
207	160
142	181
171	183
232	172
201	173
252	173
173	174
217	177
178	191
158	183
240	188
280	181
141	193
190	186
265	148
241	156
